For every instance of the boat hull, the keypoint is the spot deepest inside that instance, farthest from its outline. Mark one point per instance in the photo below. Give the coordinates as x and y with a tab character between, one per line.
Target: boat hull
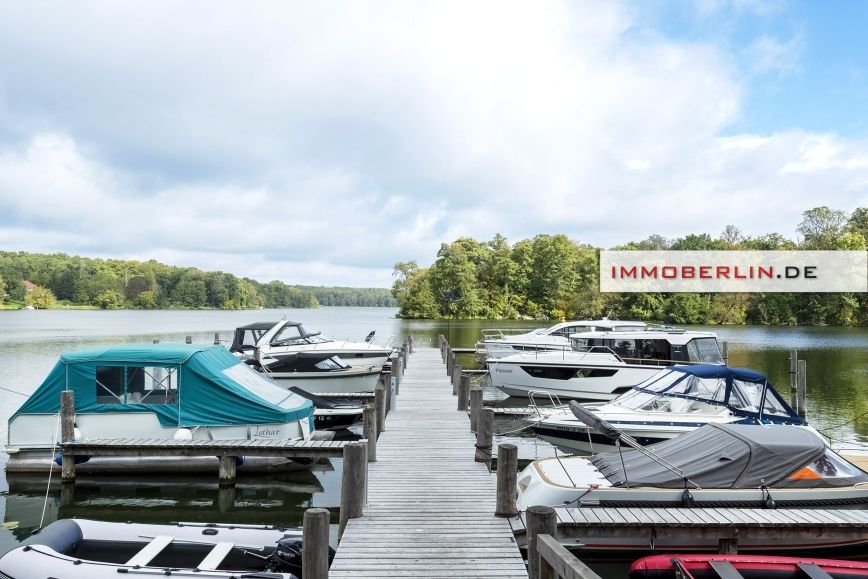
748	566
42	462
351	381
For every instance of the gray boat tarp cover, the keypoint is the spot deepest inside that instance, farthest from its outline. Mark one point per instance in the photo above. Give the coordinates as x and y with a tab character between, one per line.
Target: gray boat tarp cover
723	457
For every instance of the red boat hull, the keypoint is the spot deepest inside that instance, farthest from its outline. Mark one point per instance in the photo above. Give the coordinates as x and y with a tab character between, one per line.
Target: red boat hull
750	567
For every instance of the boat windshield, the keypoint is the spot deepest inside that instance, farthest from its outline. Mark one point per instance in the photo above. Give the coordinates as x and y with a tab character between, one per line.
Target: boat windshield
296	334
675	391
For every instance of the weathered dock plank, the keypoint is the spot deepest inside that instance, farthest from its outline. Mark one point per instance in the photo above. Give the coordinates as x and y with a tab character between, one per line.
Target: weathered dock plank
430	510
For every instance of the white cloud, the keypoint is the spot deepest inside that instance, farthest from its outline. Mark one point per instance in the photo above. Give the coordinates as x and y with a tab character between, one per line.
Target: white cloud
322	143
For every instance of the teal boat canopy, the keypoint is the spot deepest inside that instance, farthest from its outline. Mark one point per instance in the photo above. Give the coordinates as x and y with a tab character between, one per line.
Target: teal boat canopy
186	385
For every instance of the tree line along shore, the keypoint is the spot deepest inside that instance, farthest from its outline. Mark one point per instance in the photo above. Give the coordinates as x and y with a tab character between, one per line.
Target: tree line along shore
553	277
59	280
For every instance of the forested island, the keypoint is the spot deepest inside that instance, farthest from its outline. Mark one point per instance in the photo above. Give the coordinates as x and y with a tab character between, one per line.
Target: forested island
60	280
552	277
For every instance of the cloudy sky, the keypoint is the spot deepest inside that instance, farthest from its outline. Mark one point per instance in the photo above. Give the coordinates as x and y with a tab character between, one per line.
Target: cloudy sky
321	142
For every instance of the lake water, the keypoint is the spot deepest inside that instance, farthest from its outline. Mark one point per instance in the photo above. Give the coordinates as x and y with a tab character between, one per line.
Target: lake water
31	341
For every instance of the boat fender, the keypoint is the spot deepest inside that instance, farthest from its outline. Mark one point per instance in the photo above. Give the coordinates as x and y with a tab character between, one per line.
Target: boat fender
79	459
76	434
767	502
687	500
183	434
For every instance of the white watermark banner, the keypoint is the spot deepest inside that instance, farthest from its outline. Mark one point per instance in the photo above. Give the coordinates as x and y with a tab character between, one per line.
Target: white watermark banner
733	271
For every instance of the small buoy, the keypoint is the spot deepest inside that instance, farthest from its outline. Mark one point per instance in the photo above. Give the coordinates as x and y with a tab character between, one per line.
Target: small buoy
183	434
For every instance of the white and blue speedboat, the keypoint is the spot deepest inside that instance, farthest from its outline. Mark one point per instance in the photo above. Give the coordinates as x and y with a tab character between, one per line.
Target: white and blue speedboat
668	404
156	391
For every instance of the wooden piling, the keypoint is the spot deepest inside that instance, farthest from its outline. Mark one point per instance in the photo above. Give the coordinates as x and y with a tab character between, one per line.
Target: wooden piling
463	392
353	482
456	378
727	546
411	340
450	360
226	471
724	350
540	521
404	351
369	430
315	544
216	338
484	435
225	498
507	474
802	387
380	405
189	339
67	433
475	407
794	381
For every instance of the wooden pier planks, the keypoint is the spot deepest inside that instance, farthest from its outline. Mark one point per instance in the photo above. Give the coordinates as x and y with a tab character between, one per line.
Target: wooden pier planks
430	510
161	447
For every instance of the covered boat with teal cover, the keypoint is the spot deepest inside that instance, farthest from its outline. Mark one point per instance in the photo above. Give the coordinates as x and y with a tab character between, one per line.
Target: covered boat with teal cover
185	391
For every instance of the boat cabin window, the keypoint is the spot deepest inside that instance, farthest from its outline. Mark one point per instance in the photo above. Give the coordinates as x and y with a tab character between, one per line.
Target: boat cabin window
567	373
748	395
567	330
654	352
136	385
261	386
704	351
292	334
331	364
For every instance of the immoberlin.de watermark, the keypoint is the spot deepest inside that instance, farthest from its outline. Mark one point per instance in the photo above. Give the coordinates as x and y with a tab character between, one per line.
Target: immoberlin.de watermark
733	271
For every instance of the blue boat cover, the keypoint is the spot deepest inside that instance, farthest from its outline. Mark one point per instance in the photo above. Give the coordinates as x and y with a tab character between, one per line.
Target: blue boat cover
211	387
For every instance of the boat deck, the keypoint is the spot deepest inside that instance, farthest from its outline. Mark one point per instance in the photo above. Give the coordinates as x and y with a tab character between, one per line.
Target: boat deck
430	510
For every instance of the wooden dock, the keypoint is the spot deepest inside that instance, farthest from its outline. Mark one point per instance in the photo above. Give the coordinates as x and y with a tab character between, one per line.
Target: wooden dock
430	510
242	447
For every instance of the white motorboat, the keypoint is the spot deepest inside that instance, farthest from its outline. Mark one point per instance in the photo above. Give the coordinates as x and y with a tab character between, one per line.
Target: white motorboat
158	391
602	365
86	549
317	373
498	343
673	401
276	340
717	465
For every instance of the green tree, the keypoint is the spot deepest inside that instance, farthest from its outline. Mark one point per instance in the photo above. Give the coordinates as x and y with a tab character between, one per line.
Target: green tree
453	279
413	291
190	290
822	228
2	290
40	298
109	300
146	300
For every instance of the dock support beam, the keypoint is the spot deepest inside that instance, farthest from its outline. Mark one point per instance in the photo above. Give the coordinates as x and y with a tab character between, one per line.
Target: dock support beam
507	473
456	377
67	433
727	546
226	471
353	483
540	521
315	544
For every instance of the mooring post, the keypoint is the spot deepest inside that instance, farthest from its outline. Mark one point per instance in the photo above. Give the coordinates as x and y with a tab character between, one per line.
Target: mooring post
67	433
399	367
404	351
450	359
380	405
456	378
724	350
463	392
353	483
803	387
794	379
412	340
369	430
540	521
315	544
475	407
484	435
216	338
441	343
396	378
507	474
225	498
189	339
226	471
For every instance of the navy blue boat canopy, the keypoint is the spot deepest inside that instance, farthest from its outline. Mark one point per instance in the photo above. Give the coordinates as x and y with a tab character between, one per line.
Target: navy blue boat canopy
710	388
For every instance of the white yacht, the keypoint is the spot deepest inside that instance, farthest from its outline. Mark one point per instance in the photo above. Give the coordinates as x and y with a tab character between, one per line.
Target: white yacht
602	365
283	338
670	403
498	343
